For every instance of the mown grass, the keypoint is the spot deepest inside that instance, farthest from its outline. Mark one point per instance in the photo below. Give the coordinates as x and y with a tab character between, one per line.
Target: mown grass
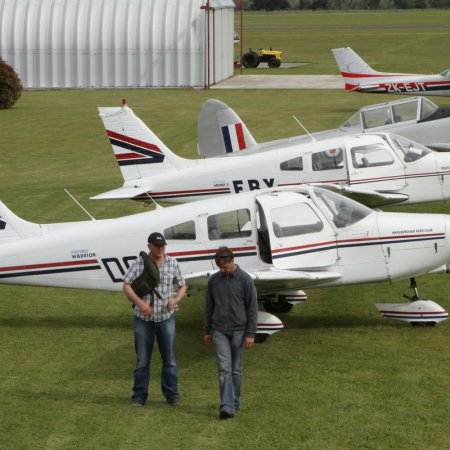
408	41
338	377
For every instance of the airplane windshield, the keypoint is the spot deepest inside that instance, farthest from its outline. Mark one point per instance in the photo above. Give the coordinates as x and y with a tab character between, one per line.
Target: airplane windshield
445	73
341	210
412	151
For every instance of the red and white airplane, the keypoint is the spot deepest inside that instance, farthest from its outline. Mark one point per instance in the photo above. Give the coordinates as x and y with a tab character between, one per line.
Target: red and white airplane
360	77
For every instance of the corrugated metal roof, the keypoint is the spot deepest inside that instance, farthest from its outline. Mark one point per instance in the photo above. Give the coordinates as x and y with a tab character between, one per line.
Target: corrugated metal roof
113	43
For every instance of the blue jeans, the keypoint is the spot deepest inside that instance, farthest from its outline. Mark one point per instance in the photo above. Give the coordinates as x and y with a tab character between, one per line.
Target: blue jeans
229	348
144	338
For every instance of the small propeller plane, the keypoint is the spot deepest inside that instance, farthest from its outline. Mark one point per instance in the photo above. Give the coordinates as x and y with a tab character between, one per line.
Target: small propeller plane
374	168
287	239
360	77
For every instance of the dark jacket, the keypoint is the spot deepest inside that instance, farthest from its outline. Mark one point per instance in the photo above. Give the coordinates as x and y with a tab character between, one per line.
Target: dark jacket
231	303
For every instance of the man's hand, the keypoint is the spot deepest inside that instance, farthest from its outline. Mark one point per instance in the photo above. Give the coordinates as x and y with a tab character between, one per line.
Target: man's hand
147	310
207	338
249	342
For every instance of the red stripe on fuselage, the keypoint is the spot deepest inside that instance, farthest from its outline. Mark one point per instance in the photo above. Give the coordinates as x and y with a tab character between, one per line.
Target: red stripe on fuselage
48	265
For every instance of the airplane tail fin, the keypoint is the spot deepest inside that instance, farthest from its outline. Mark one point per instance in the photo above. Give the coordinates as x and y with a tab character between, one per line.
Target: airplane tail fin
221	130
13	228
138	151
352	67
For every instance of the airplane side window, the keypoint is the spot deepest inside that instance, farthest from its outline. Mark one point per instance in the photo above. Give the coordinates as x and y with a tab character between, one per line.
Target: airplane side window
292	164
185	230
428	109
294	220
405	111
341	210
378	117
229	225
412	151
331	159
371	155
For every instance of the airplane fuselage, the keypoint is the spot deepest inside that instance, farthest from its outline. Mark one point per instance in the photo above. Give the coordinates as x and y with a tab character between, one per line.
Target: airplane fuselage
373	162
435	85
284	232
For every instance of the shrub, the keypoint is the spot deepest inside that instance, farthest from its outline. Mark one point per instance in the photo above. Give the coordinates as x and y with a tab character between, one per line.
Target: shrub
10	85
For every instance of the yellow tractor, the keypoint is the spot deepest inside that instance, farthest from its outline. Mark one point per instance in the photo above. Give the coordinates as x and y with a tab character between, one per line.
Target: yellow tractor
251	59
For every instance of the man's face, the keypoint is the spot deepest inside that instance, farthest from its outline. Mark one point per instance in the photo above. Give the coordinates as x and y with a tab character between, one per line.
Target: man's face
157	250
226	266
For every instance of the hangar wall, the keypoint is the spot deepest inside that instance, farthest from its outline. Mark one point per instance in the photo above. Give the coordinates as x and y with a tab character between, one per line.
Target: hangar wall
117	43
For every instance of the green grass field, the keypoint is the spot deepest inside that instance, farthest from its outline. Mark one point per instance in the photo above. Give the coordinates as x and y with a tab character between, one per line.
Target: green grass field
338	377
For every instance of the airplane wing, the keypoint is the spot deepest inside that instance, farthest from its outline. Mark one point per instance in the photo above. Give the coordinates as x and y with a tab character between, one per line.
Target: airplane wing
438	146
119	193
367	197
272	279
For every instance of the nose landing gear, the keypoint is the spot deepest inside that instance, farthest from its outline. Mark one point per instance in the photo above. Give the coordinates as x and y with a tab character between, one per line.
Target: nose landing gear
417	312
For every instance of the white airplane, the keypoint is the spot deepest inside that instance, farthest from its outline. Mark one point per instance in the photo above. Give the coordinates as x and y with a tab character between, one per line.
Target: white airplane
360	77
287	239
375	168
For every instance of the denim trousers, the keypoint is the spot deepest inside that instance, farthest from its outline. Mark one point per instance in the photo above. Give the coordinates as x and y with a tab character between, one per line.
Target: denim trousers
144	339
229	347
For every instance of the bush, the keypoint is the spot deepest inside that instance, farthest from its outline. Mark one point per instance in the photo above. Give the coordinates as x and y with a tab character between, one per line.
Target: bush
10	85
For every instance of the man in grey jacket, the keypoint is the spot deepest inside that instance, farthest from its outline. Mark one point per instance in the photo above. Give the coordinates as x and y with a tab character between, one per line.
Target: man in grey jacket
231	313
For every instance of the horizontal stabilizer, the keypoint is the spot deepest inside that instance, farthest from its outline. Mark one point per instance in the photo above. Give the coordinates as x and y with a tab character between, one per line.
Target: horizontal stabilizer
119	193
367	197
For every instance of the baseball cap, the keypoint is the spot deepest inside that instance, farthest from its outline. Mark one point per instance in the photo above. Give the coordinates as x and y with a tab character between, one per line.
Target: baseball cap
157	239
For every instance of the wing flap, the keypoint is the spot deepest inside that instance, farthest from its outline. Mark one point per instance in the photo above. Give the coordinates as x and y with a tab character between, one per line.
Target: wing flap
120	193
367	197
272	280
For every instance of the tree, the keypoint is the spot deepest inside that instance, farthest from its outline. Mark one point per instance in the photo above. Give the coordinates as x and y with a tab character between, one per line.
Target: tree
270	5
10	85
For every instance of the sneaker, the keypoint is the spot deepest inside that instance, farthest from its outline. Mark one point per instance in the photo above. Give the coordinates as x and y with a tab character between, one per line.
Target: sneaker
226	414
137	402
173	401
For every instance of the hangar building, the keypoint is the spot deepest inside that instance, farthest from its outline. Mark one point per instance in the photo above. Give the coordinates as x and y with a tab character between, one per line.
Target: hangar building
118	43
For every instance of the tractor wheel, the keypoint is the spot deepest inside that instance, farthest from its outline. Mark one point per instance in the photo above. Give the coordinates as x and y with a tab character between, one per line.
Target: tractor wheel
250	60
273	63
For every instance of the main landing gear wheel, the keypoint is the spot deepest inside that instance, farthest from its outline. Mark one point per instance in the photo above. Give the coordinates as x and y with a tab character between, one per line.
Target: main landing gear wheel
277	304
260	337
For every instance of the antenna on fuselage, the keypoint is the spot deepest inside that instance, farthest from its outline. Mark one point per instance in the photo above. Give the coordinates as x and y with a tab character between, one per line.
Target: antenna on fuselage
307	132
78	203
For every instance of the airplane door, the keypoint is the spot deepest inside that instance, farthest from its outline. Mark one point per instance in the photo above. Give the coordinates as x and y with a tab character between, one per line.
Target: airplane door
373	164
292	233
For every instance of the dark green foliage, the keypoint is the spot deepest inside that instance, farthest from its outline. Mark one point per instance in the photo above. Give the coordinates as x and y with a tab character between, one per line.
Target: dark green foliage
10	85
270	5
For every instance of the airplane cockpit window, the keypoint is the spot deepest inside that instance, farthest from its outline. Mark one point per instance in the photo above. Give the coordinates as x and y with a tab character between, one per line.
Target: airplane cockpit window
331	159
353	122
342	211
371	155
293	220
377	117
445	73
405	111
412	151
185	230
292	164
229	225
428	109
